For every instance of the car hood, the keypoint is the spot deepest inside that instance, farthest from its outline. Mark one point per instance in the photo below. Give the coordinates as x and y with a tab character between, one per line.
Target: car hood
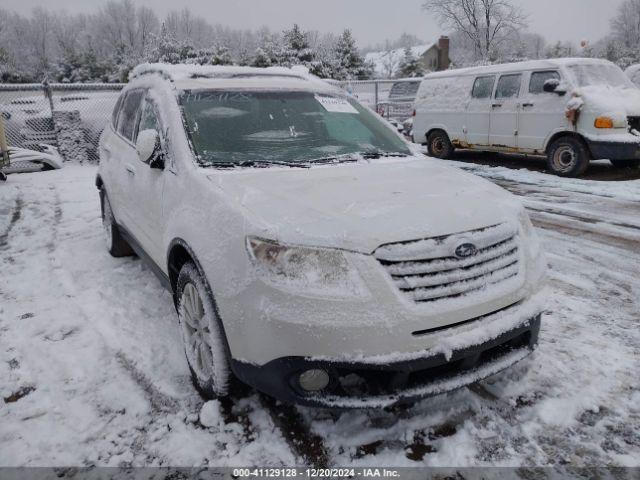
604	99
362	206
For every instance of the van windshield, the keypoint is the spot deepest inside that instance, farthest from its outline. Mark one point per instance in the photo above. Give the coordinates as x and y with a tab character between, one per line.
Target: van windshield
243	127
608	75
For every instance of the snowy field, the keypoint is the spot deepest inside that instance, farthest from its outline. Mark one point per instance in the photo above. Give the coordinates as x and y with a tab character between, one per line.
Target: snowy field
92	371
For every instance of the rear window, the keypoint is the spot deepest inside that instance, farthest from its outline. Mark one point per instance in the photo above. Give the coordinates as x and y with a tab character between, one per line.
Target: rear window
404	90
483	87
508	86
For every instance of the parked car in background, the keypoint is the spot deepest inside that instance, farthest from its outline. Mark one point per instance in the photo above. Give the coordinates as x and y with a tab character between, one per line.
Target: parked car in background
309	252
399	103
571	110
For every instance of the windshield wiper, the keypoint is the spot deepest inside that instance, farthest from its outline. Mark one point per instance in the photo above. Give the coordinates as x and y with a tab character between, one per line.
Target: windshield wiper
255	163
345	158
381	153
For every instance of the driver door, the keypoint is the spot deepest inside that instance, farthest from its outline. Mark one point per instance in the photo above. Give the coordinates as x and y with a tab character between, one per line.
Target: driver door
147	187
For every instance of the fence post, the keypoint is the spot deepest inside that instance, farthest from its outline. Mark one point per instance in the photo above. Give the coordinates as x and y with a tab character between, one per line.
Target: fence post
4	149
376	94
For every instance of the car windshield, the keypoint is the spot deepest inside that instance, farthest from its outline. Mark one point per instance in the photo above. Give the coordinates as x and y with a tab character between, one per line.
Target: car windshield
236	127
608	75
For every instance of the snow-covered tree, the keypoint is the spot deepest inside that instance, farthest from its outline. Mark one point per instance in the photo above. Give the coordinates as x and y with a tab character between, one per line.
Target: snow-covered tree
296	49
347	63
168	49
410	66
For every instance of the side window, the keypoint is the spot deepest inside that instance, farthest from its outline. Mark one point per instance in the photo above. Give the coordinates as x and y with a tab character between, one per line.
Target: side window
116	111
128	118
508	86
536	84
148	117
483	87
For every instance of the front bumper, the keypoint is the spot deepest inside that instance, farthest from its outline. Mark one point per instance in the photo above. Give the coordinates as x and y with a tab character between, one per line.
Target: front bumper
369	384
614	150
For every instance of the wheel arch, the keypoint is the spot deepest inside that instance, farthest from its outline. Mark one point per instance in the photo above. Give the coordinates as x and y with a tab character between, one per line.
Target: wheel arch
437	128
179	253
566	133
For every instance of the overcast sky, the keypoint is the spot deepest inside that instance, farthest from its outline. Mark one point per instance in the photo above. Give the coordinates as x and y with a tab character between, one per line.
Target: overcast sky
372	21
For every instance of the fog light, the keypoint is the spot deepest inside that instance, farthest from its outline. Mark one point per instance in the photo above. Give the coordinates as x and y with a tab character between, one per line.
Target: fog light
313	380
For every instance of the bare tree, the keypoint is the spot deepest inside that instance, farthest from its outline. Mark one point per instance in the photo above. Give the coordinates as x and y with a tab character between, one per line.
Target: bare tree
625	25
485	22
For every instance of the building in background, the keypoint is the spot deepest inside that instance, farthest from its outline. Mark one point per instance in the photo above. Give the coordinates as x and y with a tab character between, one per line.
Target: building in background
433	57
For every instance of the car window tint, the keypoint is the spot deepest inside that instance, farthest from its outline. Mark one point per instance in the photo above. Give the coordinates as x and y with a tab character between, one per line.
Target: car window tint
483	87
148	117
128	118
538	79
508	86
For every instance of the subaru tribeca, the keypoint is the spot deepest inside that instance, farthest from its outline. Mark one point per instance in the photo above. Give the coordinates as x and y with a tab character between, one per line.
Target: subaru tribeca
311	253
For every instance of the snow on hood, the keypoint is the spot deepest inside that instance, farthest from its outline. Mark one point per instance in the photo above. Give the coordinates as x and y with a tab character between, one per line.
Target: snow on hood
601	99
362	206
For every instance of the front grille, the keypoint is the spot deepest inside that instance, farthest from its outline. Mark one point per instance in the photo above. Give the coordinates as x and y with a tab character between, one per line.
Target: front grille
634	123
428	270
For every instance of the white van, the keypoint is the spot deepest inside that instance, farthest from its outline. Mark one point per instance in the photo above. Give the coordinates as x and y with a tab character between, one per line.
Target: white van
572	110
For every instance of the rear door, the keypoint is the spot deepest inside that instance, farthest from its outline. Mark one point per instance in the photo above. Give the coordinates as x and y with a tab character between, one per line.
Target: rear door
540	112
478	114
504	111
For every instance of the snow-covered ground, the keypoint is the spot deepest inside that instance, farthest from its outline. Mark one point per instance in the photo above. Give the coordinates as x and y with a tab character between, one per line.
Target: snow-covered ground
92	371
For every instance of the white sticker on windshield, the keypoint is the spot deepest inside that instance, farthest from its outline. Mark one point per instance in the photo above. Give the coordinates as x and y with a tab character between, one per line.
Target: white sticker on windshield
335	104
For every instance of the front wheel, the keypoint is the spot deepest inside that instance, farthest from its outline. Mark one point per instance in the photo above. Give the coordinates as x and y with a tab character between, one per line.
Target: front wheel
568	157
202	334
631	163
439	145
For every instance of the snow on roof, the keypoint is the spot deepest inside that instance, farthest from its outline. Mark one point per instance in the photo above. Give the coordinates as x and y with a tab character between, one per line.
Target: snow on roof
517	66
383	60
188	76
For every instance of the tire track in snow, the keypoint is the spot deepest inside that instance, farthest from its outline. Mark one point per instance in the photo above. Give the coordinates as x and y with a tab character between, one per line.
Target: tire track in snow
15	217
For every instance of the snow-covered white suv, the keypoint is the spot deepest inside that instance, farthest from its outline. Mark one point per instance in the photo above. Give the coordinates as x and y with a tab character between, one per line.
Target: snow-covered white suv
310	253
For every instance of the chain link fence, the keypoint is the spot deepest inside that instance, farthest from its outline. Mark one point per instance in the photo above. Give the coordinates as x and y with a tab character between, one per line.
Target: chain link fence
70	117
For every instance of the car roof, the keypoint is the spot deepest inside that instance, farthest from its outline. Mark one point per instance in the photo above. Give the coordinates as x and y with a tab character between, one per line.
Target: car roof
197	77
553	63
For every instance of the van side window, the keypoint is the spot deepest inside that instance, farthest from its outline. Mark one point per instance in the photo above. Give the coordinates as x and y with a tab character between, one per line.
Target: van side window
129	114
508	86
483	87
536	84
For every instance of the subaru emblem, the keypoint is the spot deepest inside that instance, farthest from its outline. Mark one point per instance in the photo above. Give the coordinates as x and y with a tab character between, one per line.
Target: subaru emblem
466	250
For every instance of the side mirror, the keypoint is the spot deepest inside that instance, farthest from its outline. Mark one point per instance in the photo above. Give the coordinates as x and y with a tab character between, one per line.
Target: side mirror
148	148
553	85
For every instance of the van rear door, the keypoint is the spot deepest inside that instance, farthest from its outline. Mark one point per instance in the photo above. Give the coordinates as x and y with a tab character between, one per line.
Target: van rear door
478	115
503	131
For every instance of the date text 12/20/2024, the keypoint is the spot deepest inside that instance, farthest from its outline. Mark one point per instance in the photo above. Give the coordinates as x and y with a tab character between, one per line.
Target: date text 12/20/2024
315	473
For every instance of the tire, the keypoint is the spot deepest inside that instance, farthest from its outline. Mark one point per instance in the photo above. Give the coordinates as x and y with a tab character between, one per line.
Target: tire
439	145
202	335
116	245
631	163
3	177
568	157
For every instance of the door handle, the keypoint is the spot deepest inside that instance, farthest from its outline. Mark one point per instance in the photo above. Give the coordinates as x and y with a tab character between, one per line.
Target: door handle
130	169
527	105
496	105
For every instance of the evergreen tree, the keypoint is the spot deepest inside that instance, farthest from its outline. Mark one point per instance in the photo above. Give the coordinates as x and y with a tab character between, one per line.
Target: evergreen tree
168	49
260	58
296	50
348	64
410	66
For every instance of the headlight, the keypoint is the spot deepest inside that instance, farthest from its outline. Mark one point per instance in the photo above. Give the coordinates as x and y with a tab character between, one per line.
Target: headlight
318	271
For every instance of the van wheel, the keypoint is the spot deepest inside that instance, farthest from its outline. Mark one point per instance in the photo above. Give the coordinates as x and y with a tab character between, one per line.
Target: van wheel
116	245
202	334
631	163
568	157
439	145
